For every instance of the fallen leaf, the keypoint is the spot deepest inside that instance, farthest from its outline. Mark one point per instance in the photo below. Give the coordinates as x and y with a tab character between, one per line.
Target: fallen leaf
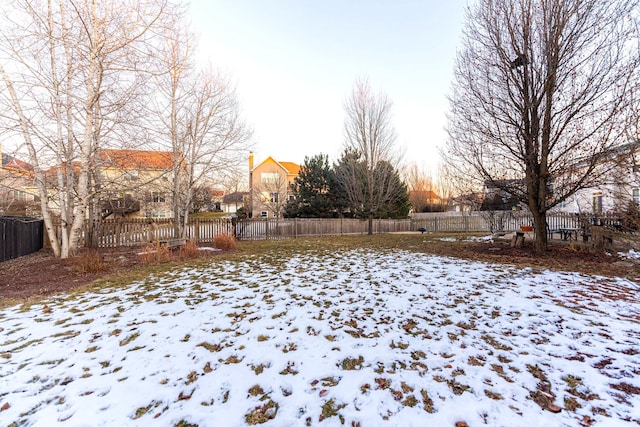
553	408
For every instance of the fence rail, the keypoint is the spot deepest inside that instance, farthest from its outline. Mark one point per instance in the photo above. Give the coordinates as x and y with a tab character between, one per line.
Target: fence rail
19	236
126	232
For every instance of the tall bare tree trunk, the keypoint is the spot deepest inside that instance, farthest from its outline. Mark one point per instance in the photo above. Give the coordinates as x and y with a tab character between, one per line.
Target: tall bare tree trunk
540	98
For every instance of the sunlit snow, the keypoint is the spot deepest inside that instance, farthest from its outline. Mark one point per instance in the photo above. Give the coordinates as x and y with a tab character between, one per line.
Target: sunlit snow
354	338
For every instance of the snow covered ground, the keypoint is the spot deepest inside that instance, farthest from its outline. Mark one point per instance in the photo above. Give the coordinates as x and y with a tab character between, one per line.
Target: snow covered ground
354	338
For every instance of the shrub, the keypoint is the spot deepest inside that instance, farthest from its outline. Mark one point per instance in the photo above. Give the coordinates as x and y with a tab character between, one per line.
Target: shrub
189	250
154	254
89	261
226	242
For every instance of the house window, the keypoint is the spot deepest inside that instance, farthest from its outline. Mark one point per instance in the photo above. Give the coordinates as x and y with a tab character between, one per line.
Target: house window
157	197
18	195
159	214
264	214
274	197
269	177
597	202
131	175
636	196
292	197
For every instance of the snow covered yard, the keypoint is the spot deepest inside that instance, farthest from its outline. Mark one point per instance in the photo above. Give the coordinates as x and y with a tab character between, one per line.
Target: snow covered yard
356	338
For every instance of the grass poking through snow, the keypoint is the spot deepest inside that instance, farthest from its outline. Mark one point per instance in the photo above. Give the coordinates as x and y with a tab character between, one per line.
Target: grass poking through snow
327	335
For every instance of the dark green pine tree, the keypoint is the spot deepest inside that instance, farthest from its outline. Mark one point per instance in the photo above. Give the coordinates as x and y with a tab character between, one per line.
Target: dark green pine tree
312	189
388	198
398	206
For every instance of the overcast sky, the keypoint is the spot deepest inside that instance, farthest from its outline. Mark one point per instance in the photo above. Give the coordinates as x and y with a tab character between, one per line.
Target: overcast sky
295	62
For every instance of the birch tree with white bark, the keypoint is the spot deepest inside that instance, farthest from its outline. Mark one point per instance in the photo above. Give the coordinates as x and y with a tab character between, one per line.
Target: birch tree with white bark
74	73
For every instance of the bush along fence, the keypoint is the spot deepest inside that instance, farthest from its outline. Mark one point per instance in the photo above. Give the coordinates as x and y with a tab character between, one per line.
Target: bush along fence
19	236
134	232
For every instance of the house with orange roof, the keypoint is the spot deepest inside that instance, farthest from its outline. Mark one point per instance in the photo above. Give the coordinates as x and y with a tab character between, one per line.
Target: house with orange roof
136	183
129	183
270	185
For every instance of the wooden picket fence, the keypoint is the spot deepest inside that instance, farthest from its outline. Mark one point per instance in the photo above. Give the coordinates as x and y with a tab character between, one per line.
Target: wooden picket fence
134	232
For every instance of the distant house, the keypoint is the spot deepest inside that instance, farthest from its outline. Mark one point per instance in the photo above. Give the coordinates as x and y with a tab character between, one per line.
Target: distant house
270	186
136	183
18	193
465	204
217	196
425	201
234	201
615	194
495	196
129	183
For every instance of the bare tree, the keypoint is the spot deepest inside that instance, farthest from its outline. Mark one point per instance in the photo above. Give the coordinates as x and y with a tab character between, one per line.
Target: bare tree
202	124
421	188
72	70
444	188
234	180
540	94
369	147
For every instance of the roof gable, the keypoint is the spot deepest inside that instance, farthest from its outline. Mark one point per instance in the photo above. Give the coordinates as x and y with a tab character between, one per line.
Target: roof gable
14	163
289	167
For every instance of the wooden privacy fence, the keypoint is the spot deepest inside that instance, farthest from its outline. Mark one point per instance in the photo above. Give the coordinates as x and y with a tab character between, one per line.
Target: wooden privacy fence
19	236
126	232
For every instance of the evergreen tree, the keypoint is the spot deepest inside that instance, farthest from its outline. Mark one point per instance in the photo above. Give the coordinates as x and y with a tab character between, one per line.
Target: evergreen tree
398	205
313	190
396	196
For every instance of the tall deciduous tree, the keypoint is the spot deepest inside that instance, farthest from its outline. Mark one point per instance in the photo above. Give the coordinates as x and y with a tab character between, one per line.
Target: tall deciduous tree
201	123
540	93
74	72
369	140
